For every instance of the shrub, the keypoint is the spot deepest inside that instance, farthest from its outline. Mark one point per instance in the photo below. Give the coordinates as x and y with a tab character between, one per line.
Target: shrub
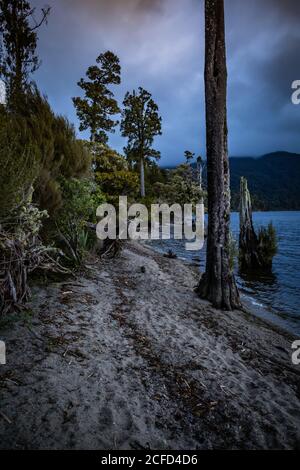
267	243
80	201
19	162
112	173
181	187
21	253
61	155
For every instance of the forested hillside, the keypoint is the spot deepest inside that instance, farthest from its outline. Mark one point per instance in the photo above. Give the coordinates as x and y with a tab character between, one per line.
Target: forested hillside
274	180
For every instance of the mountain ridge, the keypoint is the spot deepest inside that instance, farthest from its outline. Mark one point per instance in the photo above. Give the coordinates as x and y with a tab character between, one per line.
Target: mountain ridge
273	180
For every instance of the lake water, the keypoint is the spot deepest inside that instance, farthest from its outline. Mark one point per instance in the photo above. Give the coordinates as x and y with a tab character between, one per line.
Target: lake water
275	297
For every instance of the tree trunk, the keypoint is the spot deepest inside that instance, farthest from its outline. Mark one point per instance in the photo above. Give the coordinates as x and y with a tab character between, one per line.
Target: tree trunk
200	173
249	256
218	283
142	176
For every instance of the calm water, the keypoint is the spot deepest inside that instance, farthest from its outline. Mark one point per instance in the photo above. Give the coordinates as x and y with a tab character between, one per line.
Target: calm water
276	297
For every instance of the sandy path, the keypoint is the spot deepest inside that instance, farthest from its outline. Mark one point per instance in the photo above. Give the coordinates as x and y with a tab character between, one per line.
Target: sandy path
123	359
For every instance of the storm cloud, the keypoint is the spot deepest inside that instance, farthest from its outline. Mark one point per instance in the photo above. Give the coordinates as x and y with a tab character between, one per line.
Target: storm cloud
161	47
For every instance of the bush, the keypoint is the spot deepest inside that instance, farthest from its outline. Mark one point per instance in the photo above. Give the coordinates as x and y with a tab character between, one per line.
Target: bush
267	243
80	201
19	162
61	155
181	187
112	173
21	253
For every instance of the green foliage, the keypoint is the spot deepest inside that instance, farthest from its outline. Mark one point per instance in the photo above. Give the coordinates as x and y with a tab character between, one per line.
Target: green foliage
80	201
39	148
181	187
140	124
112	173
96	109
274	181
30	219
61	155
18	28
267	243
19	162
22	252
153	176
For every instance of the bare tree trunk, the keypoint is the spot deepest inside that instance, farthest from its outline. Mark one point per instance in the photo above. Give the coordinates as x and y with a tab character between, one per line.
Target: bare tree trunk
249	256
142	176
218	283
200	173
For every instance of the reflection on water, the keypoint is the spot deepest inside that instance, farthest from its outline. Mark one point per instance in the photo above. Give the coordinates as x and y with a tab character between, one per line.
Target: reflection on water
264	282
275	296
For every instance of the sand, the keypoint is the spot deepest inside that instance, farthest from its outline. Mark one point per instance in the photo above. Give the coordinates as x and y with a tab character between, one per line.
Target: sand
128	357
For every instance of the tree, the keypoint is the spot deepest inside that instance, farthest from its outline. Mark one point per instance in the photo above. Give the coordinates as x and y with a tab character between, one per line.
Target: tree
140	124
218	282
112	173
96	109
189	156
18	28
180	187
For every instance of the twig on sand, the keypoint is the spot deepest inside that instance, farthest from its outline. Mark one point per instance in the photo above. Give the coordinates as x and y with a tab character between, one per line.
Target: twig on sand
66	351
6	418
35	334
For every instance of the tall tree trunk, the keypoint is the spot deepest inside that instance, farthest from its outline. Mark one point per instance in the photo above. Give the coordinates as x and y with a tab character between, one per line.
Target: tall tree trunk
142	176
218	283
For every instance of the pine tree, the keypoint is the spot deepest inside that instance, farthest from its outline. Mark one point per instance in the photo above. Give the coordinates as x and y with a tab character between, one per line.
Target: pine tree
140	124
96	110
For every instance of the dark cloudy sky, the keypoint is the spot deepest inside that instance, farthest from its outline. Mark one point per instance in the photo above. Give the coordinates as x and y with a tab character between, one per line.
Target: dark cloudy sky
161	47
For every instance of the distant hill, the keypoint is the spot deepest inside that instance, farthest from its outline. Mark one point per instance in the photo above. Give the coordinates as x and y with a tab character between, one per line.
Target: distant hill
273	179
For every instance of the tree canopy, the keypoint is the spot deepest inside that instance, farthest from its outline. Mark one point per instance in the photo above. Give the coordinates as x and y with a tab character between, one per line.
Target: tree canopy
96	110
18	28
141	122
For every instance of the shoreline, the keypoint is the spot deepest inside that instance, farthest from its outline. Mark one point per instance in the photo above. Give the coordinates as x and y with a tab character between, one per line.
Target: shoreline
254	305
127	356
248	305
